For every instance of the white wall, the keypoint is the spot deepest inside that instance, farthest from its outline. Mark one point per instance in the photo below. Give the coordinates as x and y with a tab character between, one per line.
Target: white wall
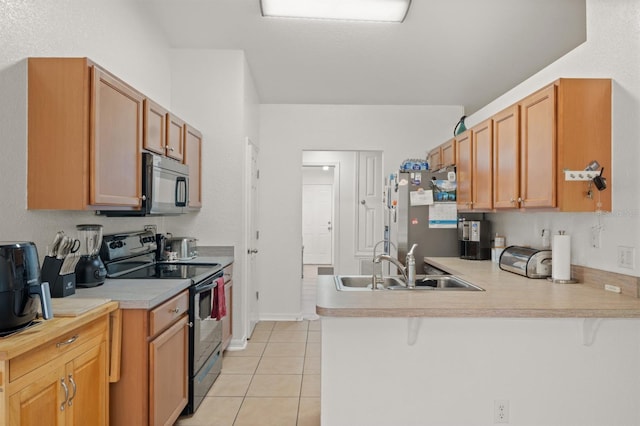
214	89
457	367
117	36
287	130
612	50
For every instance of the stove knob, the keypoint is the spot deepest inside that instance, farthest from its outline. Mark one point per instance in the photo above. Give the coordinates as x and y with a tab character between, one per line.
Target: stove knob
113	245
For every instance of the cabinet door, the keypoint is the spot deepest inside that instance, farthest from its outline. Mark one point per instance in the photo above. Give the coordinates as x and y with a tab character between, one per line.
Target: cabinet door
155	125
87	375
448	153
175	137
538	149
464	170
193	158
482	160
116	142
168	386
43	402
435	159
506	159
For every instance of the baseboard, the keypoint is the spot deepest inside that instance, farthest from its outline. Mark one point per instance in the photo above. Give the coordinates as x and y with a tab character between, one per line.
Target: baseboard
237	345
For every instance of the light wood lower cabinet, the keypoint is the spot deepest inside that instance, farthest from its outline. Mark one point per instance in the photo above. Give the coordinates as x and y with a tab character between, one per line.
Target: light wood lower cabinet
63	381
227	320
153	385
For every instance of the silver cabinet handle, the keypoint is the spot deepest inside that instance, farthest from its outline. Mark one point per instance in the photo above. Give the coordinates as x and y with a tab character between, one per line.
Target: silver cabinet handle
66	394
190	324
174	311
143	198
67	342
512	200
73	384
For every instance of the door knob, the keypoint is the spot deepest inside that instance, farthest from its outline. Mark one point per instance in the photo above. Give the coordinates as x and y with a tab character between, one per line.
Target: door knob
252	251
363	202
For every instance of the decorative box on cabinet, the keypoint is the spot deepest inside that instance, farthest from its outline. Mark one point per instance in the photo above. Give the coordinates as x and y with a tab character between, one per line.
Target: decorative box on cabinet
84	137
61	378
153	385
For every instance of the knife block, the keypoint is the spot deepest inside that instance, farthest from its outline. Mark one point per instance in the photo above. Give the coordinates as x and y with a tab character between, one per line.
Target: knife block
60	285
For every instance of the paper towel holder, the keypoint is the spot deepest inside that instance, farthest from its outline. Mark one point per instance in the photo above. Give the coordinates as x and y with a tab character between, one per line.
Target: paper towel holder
558	281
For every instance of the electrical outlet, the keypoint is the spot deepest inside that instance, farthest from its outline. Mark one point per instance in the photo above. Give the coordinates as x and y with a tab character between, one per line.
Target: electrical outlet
626	257
501	411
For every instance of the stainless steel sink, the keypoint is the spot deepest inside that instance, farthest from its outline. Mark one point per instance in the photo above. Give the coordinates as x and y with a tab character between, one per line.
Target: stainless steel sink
423	282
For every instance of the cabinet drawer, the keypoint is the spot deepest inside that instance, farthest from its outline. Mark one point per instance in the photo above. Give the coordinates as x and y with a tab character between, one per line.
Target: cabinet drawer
90	334
167	313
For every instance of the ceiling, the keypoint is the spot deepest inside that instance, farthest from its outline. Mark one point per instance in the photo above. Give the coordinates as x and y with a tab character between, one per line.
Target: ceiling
446	52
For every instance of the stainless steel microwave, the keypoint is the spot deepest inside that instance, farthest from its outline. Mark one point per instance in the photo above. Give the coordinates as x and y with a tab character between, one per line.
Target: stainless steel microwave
165	188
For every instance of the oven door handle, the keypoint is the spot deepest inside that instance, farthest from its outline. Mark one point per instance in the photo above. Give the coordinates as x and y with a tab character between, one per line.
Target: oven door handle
207	285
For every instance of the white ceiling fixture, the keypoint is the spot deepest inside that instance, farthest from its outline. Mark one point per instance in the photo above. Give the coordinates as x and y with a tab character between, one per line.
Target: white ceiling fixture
350	10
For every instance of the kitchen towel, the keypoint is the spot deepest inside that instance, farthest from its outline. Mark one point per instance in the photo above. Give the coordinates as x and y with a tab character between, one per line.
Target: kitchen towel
561	257
219	308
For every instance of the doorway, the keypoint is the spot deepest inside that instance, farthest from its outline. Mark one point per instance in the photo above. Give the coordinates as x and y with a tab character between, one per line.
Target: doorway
317	214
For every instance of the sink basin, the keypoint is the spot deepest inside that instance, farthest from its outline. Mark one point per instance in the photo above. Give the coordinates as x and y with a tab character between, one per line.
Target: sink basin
423	282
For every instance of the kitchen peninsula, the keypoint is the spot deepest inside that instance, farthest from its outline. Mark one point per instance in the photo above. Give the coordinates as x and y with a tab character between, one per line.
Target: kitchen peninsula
557	354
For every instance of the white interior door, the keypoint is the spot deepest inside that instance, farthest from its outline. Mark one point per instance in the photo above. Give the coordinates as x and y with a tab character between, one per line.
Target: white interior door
253	235
370	219
317	223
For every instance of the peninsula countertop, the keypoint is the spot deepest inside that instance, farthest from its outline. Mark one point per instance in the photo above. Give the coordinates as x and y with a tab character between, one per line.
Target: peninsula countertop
506	295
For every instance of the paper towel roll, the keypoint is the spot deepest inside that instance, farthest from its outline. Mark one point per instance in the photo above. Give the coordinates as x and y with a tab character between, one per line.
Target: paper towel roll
561	257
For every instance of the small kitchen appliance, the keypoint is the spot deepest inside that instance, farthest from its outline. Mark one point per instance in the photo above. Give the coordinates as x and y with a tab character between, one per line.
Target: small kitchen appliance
90	271
474	239
165	188
526	261
19	283
185	248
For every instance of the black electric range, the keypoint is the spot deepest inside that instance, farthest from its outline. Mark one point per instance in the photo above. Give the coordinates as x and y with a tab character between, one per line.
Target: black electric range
132	256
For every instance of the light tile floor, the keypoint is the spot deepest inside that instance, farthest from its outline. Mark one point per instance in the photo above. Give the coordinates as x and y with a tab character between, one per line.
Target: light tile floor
274	381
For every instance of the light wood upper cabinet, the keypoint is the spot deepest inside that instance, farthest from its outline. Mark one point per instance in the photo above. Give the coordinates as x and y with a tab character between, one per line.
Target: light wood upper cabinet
84	137
448	153
464	158
116	141
538	149
482	165
506	158
193	158
175	137
434	158
563	126
155	127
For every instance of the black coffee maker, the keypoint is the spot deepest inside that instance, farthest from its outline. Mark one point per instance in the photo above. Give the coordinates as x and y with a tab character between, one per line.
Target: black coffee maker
90	271
474	239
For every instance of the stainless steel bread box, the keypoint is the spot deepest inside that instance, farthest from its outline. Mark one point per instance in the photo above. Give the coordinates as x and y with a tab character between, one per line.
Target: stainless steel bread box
526	261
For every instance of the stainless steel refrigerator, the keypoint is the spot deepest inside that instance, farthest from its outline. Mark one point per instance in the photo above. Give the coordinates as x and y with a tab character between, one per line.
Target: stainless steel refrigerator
421	209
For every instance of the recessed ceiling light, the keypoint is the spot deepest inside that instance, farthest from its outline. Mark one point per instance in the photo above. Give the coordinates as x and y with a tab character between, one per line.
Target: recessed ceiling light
351	10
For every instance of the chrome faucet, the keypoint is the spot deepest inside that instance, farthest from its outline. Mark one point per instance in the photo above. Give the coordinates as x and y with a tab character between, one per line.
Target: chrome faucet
408	272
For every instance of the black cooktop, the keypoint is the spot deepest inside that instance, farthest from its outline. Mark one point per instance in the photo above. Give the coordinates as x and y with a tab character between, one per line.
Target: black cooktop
172	271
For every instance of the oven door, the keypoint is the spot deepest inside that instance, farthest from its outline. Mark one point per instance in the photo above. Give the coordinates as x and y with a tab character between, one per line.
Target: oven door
207	332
